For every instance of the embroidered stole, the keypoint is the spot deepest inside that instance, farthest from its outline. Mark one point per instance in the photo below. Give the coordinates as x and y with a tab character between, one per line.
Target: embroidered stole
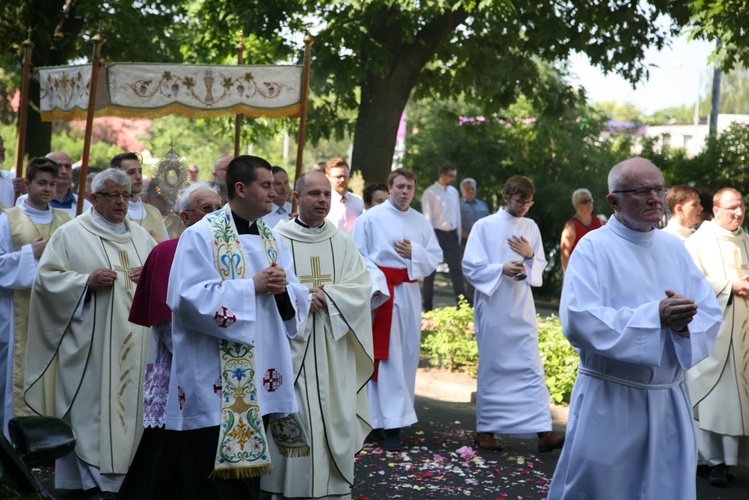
243	447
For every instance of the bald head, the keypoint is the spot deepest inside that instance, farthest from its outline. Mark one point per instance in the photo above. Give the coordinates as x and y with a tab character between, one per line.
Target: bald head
196	202
312	195
637	193
64	170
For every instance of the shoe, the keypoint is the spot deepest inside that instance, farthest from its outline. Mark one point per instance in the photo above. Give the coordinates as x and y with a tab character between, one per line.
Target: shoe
549	441
375	436
487	441
717	475
392	440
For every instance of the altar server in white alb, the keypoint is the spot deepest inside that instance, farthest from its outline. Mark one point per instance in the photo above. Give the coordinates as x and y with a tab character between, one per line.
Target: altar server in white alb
87	362
332	355
401	242
719	385
24	232
639	312
503	258
235	301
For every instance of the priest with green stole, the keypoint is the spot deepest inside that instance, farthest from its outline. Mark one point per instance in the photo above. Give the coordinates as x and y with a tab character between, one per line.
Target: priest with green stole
24	232
88	361
332	356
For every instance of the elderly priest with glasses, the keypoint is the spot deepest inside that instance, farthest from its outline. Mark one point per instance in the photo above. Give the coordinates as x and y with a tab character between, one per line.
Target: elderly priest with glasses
88	360
639	313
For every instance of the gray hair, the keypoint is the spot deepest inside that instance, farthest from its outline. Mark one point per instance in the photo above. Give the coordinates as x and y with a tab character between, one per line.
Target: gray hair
114	175
468	180
185	197
579	193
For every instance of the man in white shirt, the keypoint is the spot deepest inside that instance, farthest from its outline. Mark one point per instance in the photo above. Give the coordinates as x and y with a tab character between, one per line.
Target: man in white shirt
440	204
281	208
345	207
64	198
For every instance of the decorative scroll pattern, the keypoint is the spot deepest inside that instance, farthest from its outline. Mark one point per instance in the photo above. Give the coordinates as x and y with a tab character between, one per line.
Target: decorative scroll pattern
151	90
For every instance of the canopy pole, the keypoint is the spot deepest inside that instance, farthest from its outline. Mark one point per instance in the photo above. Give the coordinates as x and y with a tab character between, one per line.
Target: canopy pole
308	41
238	117
23	107
98	41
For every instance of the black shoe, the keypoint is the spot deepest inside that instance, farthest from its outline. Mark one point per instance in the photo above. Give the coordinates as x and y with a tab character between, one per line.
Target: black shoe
393	440
717	475
375	436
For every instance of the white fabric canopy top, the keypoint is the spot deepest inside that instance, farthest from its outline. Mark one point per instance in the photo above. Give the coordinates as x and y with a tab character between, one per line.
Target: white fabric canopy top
152	90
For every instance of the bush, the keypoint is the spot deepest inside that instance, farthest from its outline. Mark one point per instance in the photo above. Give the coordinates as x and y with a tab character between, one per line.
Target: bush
449	340
559	358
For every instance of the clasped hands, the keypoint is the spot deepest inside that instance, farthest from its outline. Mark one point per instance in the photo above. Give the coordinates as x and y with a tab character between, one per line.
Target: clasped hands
104	277
522	247
740	287
271	280
677	312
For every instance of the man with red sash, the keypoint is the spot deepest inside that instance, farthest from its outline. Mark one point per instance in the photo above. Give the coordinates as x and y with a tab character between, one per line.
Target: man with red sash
401	243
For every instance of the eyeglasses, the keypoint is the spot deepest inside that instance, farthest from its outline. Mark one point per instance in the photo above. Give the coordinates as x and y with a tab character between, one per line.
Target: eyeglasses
586	201
206	209
644	192
735	210
523	203
114	195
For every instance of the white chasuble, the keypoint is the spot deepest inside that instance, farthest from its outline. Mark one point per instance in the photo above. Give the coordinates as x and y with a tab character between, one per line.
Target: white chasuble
332	364
88	360
719	385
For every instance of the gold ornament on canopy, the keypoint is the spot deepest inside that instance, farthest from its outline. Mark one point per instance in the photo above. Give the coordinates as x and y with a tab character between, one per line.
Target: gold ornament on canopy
170	177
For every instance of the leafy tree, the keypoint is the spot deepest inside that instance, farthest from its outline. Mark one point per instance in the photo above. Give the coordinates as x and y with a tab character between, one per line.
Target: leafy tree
62	29
371	56
550	136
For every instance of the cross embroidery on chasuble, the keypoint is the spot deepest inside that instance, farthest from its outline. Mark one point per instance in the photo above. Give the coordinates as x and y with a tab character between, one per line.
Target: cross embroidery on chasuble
124	268
316	278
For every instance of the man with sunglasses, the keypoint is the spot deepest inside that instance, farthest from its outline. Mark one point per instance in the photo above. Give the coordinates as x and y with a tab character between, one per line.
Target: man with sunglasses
639	313
719	384
578	226
88	360
504	258
24	232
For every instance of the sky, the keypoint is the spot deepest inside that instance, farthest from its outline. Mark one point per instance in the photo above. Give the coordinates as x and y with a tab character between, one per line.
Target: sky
676	75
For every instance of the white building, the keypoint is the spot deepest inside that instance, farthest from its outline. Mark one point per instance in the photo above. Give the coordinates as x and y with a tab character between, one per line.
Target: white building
689	137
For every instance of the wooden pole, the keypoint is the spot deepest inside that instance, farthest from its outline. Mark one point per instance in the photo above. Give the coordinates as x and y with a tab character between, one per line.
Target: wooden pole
308	41
238	117
23	107
98	41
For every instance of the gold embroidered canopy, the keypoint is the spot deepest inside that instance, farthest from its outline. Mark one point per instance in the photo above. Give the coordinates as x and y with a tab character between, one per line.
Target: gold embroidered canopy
152	90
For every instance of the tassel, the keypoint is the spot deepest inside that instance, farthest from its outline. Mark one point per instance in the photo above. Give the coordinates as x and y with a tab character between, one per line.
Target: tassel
301	451
242	473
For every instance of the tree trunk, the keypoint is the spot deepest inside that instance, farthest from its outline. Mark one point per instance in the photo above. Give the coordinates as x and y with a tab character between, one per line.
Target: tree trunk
376	130
38	133
384	96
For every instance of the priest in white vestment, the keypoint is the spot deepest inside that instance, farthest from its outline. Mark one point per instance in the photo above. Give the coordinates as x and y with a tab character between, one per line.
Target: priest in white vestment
235	301
88	360
639	313
719	385
332	355
401	242
24	232
504	257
